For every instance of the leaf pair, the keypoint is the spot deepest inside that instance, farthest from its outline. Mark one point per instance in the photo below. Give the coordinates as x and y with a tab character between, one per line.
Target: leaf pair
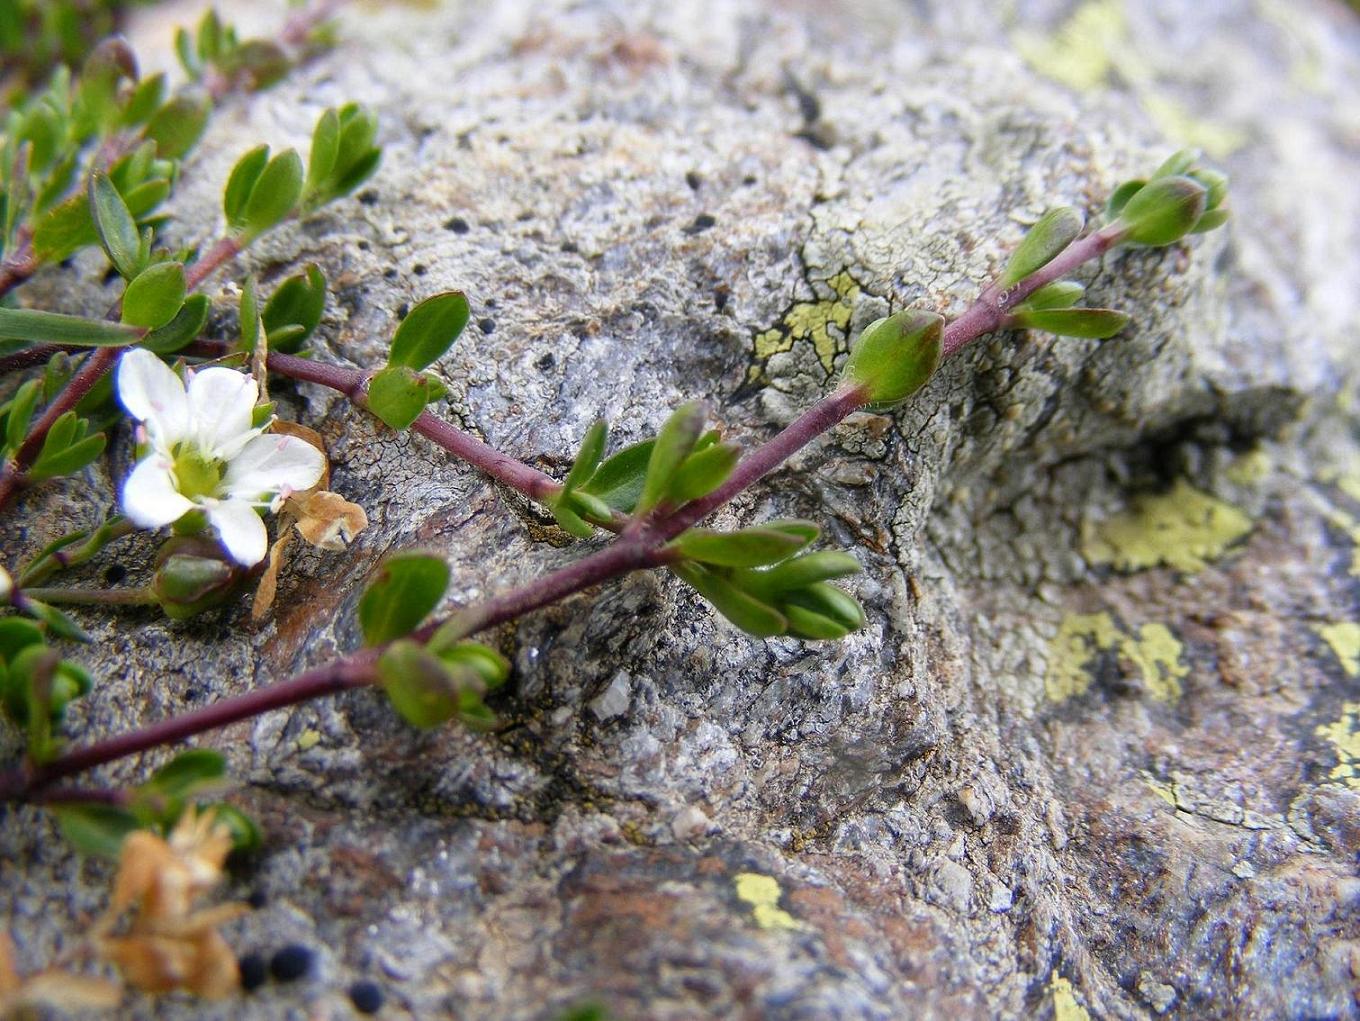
894	357
36	684
431	683
399	393
190	778
343	155
793	597
1050	309
1180	198
254	63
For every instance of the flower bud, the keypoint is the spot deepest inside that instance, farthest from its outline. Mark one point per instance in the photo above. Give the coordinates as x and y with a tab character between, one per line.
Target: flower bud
1163	211
193	576
895	356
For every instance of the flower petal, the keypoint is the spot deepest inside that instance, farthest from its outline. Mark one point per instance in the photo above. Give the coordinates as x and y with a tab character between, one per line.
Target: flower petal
221	402
272	462
240	530
150	498
153	394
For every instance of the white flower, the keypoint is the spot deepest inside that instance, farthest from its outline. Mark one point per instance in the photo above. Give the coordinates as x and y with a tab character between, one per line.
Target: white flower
204	454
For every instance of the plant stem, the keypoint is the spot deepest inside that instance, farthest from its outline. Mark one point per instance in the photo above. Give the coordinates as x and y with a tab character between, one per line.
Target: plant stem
351	672
93	596
43	568
223	251
350	382
986	314
638	548
20	264
12	475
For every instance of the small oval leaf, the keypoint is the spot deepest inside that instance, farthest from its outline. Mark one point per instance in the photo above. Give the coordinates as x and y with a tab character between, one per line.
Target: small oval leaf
1055	230
429	330
408	587
154	297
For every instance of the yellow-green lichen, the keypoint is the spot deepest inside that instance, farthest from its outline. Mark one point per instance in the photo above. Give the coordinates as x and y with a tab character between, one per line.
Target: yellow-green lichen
1249	469
823	322
1344	638
1184	529
1344	737
762	893
1093	46
1080	637
1160	788
1154	653
1065	1005
1081	54
1350	485
308	740
1340	519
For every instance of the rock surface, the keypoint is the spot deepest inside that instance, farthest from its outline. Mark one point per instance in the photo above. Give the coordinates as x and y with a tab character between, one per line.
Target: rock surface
1098	750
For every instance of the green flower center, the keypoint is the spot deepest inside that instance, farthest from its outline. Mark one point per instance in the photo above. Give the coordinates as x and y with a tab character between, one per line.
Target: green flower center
196	475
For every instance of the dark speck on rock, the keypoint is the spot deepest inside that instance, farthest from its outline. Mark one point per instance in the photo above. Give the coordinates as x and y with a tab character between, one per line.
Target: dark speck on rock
253	971
693	179
291	962
368	197
257	899
366	996
570	247
457	224
390	273
419	269
403	309
364	246
701	223
114	573
748	179
546	362
486	325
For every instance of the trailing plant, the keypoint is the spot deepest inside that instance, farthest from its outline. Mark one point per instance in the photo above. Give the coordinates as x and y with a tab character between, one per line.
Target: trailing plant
88	163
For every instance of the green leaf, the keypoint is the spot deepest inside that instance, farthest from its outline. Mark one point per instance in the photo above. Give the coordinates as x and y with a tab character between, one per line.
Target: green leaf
490	667
830	602
588	456
187	325
64	229
19	409
250	314
422	687
586	504
245	834
1055	230
742	609
1059	294
296	306
1210	220
1119	198
1215	184
16	634
398	395
144	101
408	587
618	481
804	623
117	230
703	471
55	461
95	829
798	573
58	328
1093	323
324	152
570	521
429	330
673	444
275	194
58	624
1177	163
241	183
750	547
1163	211
260	62
154	297
188	58
186	773
178	125
894	357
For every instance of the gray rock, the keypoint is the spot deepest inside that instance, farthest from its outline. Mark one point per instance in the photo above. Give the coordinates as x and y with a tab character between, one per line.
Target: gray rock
1087	691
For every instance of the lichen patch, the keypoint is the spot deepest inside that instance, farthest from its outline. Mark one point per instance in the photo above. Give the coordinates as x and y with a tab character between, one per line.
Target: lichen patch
1344	638
1344	736
1153	654
762	893
1185	528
